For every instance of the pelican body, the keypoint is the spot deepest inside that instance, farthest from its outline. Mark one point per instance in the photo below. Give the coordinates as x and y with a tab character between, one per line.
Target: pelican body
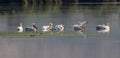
79	27
52	28
60	28
103	28
45	28
20	28
31	29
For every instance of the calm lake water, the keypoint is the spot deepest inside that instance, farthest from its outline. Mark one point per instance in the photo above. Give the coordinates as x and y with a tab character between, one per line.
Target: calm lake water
90	45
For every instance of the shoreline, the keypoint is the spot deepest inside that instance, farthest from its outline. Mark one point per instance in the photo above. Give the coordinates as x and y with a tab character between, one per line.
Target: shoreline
36	34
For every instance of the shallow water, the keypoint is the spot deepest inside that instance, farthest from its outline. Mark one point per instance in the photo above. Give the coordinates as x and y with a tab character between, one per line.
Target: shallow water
59	47
90	45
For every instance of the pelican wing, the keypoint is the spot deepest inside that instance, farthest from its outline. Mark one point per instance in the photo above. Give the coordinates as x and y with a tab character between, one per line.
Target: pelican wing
82	23
29	29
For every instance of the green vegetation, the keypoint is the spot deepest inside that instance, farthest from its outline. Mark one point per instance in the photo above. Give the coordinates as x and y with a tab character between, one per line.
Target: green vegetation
31	2
39	7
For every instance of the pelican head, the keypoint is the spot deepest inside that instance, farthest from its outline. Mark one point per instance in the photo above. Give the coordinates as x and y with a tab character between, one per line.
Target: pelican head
33	23
51	24
21	24
108	24
62	25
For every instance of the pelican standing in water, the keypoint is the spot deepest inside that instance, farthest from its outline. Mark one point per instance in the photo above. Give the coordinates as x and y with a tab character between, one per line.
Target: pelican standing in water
45	28
48	28
52	28
20	28
60	28
79	27
31	29
103	28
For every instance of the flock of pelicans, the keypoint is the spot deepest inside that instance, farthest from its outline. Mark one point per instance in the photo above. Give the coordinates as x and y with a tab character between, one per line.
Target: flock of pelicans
60	28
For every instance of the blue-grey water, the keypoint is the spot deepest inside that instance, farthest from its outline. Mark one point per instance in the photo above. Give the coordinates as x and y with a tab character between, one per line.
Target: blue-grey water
90	45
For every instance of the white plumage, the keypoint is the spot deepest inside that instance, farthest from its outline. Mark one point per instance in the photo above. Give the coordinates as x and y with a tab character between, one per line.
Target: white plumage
103	28
79	27
45	28
20	28
31	29
60	28
57	28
